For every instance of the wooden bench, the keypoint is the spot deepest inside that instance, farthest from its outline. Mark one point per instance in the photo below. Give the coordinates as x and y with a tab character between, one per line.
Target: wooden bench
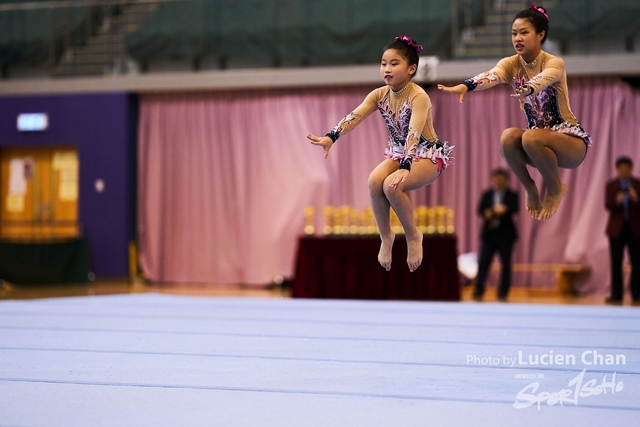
565	273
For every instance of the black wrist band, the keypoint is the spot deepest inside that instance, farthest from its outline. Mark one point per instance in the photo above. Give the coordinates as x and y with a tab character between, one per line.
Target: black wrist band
405	164
530	90
469	84
333	135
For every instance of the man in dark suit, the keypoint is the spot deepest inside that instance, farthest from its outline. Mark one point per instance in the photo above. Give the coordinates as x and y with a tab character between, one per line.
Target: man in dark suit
623	228
497	207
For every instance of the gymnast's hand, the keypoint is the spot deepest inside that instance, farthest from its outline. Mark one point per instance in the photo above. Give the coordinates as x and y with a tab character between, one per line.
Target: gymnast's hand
397	177
500	209
323	141
460	89
522	92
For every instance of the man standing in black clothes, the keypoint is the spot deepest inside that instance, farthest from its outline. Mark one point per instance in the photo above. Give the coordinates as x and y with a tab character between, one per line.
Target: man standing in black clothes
497	207
623	228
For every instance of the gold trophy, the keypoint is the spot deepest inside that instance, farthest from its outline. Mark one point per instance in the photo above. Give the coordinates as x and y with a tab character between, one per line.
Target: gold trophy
431	220
362	222
309	219
441	212
328	220
343	222
338	221
422	219
370	221
354	225
450	227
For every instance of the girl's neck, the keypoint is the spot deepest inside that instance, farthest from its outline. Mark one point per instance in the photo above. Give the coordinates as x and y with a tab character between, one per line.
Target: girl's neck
400	89
532	56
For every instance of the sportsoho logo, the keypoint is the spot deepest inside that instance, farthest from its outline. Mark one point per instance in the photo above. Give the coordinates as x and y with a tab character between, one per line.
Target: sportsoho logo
579	387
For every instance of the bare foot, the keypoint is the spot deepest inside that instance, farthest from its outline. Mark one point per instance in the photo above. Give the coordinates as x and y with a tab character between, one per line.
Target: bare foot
532	200
551	202
414	252
384	256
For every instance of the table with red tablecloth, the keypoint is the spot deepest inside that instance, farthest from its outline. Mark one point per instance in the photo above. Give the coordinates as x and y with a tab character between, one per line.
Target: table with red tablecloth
347	267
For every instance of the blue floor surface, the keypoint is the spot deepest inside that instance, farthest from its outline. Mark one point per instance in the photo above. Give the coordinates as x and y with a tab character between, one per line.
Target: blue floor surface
159	360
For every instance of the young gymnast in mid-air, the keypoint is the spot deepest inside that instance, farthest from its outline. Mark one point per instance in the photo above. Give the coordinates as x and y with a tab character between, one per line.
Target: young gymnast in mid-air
554	137
415	156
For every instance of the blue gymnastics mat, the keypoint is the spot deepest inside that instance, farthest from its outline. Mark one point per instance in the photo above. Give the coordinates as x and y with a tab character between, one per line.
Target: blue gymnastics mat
160	360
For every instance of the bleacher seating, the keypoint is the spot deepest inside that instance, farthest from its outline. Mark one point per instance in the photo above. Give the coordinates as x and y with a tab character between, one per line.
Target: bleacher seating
278	33
32	36
305	32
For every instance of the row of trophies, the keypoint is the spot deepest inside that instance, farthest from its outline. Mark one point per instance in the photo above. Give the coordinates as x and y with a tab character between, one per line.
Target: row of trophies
347	220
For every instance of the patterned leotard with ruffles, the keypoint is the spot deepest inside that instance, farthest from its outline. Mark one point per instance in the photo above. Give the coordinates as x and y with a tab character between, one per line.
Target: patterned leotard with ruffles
547	107
409	119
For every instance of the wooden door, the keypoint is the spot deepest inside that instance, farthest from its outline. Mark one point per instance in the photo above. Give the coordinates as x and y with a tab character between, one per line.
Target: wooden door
39	193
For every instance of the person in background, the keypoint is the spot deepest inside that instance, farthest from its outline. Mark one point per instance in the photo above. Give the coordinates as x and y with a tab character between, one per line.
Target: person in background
623	228
496	208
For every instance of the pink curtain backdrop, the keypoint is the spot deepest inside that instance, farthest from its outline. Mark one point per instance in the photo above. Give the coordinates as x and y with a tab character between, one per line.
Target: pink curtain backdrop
224	177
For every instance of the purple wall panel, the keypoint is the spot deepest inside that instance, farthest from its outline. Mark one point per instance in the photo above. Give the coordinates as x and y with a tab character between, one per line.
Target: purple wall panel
101	127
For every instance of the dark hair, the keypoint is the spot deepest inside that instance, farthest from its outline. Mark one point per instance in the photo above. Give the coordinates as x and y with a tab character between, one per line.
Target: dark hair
538	19
407	51
623	160
500	171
